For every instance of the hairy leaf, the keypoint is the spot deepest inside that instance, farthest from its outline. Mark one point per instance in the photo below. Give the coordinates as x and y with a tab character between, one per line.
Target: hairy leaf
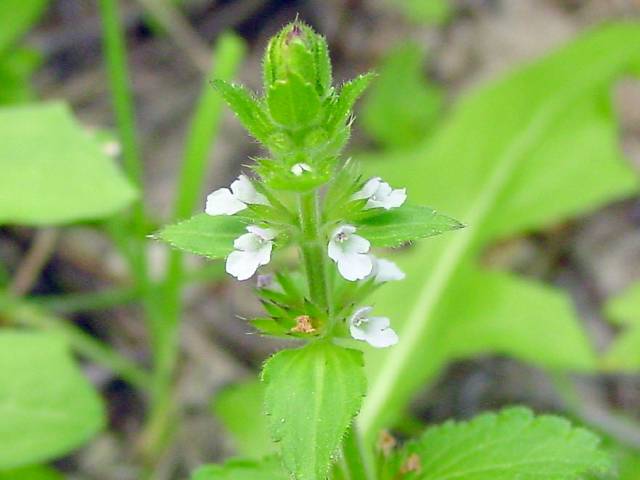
624	353
510	159
52	171
504	446
293	103
206	235
312	393
394	227
237	469
240	408
47	408
346	98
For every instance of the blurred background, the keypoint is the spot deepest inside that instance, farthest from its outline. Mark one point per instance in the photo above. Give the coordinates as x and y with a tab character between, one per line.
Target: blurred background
428	54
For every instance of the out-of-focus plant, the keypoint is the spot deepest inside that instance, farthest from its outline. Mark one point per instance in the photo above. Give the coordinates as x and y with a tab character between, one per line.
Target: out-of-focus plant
304	196
401	107
624	310
424	11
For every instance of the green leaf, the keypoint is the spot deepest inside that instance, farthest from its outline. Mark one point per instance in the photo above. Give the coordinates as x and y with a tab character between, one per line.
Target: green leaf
206	235
248	110
425	11
510	159
238	469
16	68
52	171
47	408
401	107
293	103
312	393
394	227
33	472
240	409
16	18
624	353
344	100
511	444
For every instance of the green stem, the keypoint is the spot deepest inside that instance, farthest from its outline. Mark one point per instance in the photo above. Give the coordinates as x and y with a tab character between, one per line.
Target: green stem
22	313
86	302
354	456
313	249
227	56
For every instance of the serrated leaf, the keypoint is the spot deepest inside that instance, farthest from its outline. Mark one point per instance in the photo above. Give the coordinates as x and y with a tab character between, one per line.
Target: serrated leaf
47	408
52	171
343	103
395	227
511	444
206	235
311	395
510	159
240	409
293	103
624	352
246	107
239	469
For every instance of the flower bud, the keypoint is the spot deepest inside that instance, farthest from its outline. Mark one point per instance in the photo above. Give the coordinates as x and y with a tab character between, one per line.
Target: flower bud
298	50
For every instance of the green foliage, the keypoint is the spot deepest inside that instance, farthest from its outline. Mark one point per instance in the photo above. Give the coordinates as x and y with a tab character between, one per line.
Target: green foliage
204	235
267	469
312	393
16	67
240	408
47	408
405	224
510	159
294	103
36	472
504	446
53	172
401	107
425	11
16	17
624	353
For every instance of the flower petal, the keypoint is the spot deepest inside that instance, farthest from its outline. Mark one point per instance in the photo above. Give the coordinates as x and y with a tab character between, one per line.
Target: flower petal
358	333
264	253
248	242
222	202
354	266
368	189
386	271
356	244
263	233
383	338
242	265
244	191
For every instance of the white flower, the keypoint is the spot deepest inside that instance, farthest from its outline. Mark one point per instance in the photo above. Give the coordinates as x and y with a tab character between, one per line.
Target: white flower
379	194
349	251
373	330
299	168
385	271
225	201
252	250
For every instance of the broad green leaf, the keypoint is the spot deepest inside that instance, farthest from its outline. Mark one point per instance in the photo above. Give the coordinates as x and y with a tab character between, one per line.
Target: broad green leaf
47	408
16	68
206	235
16	17
394	227
237	469
34	472
293	103
52	171
511	158
511	444
624	353
311	395
248	110
401	107
240	409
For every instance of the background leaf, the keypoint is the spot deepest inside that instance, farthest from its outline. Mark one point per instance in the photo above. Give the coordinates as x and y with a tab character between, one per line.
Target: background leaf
47	408
624	353
505	446
240	408
268	469
53	171
17	16
34	472
520	154
311	395
204	235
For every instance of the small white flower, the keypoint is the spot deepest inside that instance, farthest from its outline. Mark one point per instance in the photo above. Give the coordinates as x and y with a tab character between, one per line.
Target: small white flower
379	194
373	330
252	250
349	251
386	271
299	168
225	201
